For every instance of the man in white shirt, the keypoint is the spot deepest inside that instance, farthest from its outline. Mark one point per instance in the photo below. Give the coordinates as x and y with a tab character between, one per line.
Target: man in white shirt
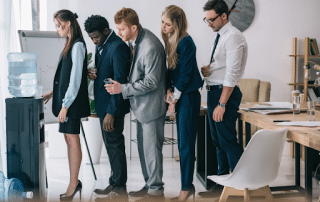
222	76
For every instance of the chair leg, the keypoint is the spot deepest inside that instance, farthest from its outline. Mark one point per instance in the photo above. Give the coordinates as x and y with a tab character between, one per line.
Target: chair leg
225	194
246	195
268	194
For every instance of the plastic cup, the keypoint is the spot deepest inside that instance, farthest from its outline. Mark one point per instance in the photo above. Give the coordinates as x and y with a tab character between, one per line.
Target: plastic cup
94	71
107	81
39	91
171	98
296	104
311	110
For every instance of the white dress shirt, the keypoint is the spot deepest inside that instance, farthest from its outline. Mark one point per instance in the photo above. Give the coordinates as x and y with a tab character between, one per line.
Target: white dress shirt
230	58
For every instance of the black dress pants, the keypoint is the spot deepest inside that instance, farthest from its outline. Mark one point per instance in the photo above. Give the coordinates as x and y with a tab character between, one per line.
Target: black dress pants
223	133
114	142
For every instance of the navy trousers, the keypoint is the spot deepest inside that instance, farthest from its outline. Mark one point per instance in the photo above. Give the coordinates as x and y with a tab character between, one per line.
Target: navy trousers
187	117
223	133
114	142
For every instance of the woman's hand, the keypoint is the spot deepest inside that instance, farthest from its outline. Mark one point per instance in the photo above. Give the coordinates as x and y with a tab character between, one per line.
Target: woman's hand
47	97
63	114
171	108
169	95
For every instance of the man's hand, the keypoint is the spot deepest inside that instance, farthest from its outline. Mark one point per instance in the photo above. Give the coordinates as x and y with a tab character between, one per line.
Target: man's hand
91	75
218	113
114	88
108	122
47	97
205	71
63	114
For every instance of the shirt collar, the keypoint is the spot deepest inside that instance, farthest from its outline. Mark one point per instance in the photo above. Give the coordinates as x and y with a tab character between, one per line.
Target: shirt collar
133	43
225	28
139	36
111	31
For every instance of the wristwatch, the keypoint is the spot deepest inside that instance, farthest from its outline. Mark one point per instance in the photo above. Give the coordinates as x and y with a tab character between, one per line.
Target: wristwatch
222	105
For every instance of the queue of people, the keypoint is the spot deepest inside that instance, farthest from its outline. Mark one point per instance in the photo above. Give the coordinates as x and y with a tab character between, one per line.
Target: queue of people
142	73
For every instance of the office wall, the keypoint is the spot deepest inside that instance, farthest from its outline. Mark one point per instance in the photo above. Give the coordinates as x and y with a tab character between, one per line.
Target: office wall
269	37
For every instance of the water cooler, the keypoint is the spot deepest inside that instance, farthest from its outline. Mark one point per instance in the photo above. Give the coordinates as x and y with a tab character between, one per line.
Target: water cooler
26	143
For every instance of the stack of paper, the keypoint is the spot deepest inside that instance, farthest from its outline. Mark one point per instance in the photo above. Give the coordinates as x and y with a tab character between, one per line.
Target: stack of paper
300	123
271	107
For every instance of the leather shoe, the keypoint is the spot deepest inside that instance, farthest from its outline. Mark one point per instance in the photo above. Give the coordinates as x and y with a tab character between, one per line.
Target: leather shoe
114	196
105	191
141	193
215	191
152	198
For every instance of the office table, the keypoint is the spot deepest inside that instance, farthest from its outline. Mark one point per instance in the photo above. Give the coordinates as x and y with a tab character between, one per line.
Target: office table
306	136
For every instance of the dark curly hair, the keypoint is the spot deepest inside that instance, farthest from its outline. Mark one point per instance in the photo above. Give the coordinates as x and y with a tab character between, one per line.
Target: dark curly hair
96	23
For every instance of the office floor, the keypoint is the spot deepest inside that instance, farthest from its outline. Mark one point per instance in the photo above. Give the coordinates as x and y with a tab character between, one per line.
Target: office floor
58	177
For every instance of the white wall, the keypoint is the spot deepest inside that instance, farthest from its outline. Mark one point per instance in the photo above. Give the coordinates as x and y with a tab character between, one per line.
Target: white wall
269	37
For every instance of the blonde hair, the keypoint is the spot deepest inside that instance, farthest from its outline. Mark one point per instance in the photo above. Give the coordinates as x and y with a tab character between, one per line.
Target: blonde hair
180	25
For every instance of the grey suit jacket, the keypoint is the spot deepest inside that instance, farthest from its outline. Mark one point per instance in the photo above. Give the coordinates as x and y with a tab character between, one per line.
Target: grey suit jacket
146	84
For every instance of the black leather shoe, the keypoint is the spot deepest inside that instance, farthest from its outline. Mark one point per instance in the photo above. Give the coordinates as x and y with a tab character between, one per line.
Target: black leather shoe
215	191
152	198
141	193
105	191
114	196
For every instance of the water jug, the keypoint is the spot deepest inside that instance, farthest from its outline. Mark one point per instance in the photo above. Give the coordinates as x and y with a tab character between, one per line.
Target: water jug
12	190
22	74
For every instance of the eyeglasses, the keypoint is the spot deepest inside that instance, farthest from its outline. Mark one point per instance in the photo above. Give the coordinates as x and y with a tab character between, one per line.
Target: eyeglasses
210	21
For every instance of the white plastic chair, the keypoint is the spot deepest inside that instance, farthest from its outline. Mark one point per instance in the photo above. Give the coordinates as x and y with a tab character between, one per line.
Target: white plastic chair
257	167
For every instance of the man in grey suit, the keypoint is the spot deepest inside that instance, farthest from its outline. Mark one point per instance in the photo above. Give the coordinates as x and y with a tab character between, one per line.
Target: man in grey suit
146	91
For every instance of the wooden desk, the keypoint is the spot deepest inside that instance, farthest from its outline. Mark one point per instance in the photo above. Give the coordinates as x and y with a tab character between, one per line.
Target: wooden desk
306	136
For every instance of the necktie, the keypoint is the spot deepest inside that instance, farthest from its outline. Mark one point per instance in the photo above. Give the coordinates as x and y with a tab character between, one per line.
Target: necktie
98	54
132	50
214	46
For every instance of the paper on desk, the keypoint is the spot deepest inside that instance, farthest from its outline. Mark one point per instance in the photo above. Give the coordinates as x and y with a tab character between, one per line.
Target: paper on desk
270	108
300	123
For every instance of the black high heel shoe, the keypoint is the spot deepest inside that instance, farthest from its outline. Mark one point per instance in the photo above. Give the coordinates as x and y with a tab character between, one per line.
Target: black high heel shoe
191	192
63	197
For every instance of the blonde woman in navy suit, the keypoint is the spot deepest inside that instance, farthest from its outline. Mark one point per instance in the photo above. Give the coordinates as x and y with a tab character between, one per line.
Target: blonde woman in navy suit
183	95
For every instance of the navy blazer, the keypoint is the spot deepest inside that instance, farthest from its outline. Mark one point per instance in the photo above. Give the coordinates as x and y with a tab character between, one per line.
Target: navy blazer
80	106
185	77
114	63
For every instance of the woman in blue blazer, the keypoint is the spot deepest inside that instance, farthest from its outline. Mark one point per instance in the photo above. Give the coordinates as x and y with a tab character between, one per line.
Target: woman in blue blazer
183	95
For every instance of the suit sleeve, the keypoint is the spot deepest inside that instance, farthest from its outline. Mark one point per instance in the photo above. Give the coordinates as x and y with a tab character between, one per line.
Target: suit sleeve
187	61
169	79
154	65
121	68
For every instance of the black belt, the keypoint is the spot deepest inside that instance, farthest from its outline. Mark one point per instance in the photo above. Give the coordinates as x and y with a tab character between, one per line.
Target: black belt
214	87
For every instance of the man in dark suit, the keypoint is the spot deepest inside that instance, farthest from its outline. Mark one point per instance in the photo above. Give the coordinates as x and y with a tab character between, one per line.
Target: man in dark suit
112	60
